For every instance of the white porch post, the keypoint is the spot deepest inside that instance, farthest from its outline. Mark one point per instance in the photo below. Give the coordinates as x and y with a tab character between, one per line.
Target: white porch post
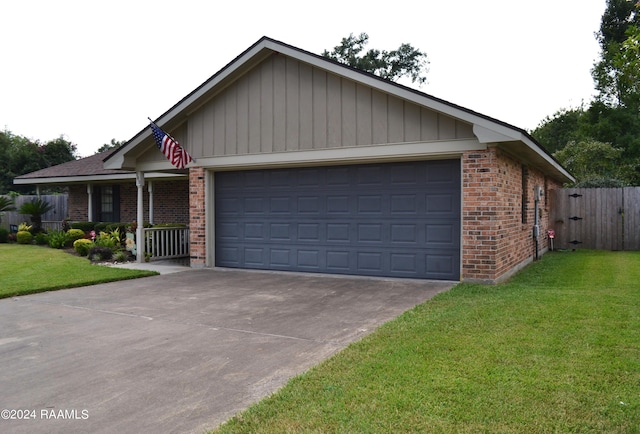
150	188
140	217
90	202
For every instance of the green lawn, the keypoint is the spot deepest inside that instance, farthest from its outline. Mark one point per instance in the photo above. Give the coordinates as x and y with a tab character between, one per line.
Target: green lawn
555	349
26	269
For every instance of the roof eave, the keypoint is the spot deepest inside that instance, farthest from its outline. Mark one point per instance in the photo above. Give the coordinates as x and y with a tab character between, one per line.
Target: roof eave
88	179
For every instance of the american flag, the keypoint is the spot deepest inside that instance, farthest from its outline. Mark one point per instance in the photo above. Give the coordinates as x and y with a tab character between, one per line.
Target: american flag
171	149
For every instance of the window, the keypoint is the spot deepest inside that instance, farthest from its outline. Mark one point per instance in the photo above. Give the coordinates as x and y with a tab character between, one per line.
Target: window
106	203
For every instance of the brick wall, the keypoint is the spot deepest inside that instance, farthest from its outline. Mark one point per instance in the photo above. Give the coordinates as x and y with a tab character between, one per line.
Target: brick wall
170	202
197	232
495	240
78	203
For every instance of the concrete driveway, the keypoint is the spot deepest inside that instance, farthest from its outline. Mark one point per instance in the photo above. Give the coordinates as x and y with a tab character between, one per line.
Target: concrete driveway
180	352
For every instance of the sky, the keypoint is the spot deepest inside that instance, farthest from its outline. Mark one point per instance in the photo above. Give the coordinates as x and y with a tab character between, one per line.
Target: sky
94	71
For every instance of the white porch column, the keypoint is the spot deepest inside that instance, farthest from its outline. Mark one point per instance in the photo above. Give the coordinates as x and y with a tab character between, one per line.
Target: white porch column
90	202
140	217
150	188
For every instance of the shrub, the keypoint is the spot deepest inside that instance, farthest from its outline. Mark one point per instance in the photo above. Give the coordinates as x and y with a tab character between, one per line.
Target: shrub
120	256
122	227
24	227
75	234
82	246
58	239
170	225
4	235
113	239
101	227
41	238
36	208
99	253
84	226
24	237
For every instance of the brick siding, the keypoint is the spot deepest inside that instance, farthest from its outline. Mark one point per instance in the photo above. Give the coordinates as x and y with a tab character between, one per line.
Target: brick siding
495	241
170	202
197	231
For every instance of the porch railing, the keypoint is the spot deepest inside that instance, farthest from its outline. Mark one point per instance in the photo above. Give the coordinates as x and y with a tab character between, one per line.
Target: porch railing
166	243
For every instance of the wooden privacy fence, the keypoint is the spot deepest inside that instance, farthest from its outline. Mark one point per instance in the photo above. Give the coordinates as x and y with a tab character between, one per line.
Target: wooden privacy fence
596	218
50	220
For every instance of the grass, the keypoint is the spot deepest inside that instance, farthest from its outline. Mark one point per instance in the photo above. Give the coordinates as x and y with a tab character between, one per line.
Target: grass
26	269
555	349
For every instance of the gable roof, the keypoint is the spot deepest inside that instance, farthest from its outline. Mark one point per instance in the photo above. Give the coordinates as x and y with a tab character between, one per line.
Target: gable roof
89	169
486	129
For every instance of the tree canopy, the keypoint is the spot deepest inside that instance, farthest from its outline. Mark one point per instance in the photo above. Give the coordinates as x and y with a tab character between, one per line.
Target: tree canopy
107	146
612	120
406	61
20	155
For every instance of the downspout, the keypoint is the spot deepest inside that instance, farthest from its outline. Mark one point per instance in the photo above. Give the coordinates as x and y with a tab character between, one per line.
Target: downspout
537	194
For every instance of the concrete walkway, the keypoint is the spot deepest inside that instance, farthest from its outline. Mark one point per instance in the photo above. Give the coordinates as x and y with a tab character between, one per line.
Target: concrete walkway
181	352
162	267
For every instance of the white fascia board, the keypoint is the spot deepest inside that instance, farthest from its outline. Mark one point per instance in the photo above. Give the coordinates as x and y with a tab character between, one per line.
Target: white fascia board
357	154
91	178
548	158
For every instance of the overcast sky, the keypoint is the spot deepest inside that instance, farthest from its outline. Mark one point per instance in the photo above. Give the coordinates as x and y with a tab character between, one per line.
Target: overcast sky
93	71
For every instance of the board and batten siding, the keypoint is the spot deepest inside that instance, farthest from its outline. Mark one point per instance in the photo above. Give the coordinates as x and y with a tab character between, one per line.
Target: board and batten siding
286	105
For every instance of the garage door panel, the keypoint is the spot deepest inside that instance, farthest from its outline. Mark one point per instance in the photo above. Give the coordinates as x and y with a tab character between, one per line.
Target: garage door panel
440	265
443	233
379	220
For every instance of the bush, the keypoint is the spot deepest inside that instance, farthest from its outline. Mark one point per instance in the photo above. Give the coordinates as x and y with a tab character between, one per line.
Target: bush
121	256
75	234
24	237
82	246
170	225
112	239
122	227
99	253
4	235
58	239
84	226
41	238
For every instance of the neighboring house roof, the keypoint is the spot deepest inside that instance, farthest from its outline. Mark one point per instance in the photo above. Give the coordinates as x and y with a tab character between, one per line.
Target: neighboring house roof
89	169
486	129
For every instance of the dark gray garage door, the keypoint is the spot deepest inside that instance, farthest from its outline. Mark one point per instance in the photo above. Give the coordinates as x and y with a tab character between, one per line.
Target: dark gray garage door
392	219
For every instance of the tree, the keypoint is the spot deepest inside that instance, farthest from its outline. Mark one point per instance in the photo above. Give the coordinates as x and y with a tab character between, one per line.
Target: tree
19	155
6	204
595	163
613	118
555	131
107	146
58	151
36	208
406	61
618	21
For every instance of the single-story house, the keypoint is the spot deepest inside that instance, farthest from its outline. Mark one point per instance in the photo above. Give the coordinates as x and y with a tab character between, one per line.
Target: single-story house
105	195
305	164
